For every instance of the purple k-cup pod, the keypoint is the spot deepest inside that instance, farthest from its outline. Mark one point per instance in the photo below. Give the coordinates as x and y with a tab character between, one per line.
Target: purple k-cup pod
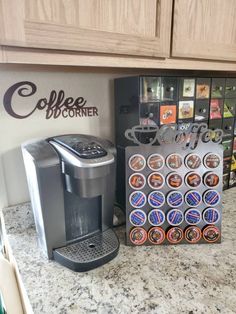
211	160
193	216
211	197
137	217
211	215
156	199
175	217
193	198
174	161
156	217
175	199
137	199
155	162
137	162
193	161
137	181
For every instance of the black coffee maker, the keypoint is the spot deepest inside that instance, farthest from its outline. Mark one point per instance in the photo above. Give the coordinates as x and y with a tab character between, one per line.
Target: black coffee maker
71	180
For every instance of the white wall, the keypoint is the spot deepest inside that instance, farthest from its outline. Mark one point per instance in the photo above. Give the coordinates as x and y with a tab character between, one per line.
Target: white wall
96	87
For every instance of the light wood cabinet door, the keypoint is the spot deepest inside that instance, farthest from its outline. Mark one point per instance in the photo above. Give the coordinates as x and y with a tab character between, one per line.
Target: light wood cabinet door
204	29
126	27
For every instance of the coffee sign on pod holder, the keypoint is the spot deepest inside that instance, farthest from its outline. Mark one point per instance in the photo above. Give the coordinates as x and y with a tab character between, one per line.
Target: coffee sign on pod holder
173	185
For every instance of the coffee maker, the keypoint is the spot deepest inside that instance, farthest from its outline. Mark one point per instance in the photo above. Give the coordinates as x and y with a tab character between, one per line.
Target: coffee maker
71	180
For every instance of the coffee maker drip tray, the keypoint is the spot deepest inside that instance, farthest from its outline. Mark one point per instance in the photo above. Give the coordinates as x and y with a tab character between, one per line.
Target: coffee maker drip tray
90	253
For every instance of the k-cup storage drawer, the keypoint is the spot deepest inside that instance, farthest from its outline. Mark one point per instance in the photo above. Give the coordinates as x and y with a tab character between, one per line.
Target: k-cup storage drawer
215	124
217	87
201	110
203	88
229	107
169	88
228	126
149	113
186	88
227	146
226	164
185	111
167	112
230	88
216	109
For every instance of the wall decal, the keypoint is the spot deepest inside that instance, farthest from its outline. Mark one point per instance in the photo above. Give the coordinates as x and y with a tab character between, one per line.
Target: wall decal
55	105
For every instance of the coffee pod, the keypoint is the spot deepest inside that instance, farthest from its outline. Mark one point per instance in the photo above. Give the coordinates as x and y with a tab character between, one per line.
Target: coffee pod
174	180
193	161
137	199
193	234
155	162
137	217
211	215
193	198
137	162
193	216
156	180
175	217
174	235
193	179
175	199
211	197
211	234
137	181
138	236
211	161
156	217
174	161
156	235
211	179
156	199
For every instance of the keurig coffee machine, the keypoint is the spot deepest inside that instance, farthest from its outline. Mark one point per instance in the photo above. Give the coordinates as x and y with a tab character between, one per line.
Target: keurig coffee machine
71	181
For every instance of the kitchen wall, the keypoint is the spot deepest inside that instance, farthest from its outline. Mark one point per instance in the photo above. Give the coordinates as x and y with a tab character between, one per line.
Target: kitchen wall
95	86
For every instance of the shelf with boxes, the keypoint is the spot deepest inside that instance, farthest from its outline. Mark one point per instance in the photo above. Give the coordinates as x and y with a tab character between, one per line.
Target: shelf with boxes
160	100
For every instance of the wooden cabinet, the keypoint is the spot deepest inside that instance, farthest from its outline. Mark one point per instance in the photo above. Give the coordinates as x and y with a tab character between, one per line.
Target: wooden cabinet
125	27
204	29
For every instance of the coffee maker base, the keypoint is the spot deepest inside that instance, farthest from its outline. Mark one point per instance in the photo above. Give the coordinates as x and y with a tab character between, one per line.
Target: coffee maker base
89	253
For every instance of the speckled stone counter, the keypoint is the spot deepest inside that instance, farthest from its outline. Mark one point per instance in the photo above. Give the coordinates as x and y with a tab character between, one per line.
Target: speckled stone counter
164	279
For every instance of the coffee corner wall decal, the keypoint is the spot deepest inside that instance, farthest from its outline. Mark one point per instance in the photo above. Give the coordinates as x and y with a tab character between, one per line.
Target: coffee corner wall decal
55	105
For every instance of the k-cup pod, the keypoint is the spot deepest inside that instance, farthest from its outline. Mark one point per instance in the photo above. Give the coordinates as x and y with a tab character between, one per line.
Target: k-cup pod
156	235
174	161
175	217
156	217
137	199
211	215
138	235
211	197
211	160
211	234
211	179
193	179
174	180
155	162
193	216
137	217
156	180
193	161
193	198
174	235
137	181
137	162
193	234
175	199
156	199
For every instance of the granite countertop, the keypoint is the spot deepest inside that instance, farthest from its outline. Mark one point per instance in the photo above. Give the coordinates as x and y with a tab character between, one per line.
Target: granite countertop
164	279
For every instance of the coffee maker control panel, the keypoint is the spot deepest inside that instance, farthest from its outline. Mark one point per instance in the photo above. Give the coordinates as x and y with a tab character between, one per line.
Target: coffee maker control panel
89	150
